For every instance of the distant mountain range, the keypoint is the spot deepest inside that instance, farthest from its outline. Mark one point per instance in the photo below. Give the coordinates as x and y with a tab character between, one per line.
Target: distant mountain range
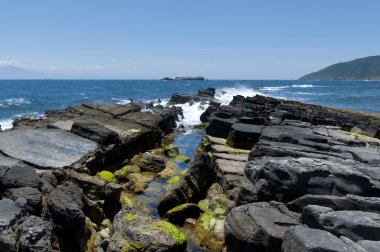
360	69
12	72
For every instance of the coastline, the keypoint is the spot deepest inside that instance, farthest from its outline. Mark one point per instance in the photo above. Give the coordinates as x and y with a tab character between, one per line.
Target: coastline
93	161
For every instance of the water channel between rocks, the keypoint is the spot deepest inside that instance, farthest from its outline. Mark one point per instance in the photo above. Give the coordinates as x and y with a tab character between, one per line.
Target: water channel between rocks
187	145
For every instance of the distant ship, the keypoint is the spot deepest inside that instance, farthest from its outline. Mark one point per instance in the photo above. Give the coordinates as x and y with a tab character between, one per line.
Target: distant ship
198	78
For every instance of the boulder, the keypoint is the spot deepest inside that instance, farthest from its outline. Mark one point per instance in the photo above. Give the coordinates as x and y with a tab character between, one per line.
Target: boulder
257	227
171	151
149	162
209	92
21	176
134	230
244	136
95	132
36	235
46	148
356	225
220	127
303	239
32	195
207	113
180	98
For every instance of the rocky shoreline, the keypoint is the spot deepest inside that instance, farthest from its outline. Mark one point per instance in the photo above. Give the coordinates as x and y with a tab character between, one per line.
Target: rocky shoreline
269	175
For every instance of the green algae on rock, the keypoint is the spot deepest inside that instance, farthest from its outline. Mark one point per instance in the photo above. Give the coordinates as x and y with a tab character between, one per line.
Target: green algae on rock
170	169
183	158
171	230
171	151
177	177
106	175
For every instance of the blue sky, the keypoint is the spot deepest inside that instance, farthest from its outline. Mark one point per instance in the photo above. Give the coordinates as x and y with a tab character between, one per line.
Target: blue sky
220	39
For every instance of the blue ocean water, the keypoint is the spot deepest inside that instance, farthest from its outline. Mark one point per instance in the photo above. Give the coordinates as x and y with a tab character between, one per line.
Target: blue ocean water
32	97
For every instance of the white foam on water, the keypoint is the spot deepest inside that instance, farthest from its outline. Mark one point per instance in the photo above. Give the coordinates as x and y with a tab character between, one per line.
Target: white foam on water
273	89
6	123
13	102
225	95
302	86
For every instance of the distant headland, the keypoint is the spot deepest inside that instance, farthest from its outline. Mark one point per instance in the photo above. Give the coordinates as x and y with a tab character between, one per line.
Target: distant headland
197	78
367	68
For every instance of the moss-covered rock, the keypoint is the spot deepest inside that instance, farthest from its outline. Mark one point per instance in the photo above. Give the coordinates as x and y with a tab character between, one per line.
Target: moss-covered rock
170	169
171	151
149	162
106	175
179	214
177	177
183	158
137	182
134	230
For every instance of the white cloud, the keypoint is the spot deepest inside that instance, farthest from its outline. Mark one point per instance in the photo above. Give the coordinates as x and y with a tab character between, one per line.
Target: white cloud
98	67
8	62
75	66
55	68
114	59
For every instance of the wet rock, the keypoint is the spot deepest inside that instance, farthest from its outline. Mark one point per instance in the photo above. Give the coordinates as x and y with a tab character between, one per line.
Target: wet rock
32	195
149	162
192	186
138	182
180	213
10	218
356	225
206	115
133	230
36	235
47	148
209	92
257	227
285	179
170	169
112	191
164	121
171	151
303	239
21	176
96	133
180	98
244	136
220	127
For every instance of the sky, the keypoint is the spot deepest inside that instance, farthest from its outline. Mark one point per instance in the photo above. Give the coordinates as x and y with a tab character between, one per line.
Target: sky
218	39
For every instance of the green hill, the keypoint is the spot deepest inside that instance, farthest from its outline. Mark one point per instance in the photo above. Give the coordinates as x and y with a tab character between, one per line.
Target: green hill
360	69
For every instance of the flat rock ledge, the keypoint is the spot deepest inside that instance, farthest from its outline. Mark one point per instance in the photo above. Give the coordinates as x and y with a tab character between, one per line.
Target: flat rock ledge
59	188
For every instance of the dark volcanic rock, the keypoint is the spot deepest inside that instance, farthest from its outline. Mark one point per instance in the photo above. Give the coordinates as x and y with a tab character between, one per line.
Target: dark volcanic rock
96	133
149	162
180	213
311	213
191	188
244	136
206	115
21	176
348	202
220	127
209	92
285	179
65	207
32	195
36	235
303	239
356	225
180	98
10	216
257	227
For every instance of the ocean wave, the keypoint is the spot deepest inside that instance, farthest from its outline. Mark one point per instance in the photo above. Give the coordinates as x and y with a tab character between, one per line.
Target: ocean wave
13	102
225	95
7	123
302	86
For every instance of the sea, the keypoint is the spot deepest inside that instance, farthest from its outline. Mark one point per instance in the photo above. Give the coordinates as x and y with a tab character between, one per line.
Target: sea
31	98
